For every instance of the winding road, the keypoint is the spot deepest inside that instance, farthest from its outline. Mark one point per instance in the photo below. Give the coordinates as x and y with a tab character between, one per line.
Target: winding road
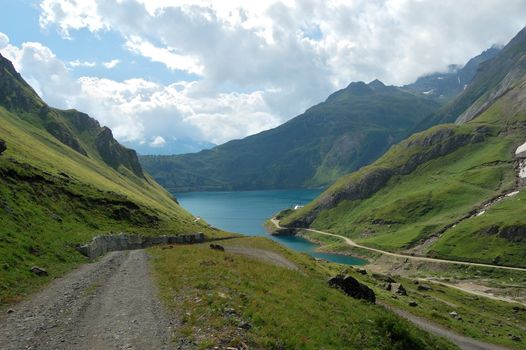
351	243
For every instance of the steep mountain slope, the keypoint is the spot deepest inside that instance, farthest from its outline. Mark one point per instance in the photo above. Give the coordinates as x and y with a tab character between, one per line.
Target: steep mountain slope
445	86
64	179
494	78
442	192
353	127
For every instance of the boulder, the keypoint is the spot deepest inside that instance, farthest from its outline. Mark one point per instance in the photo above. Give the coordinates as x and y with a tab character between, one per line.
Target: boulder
3	147
383	278
217	247
352	287
398	289
413	303
39	271
424	287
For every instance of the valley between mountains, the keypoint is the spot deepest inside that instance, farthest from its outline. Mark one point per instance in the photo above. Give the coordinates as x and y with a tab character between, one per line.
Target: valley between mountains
424	181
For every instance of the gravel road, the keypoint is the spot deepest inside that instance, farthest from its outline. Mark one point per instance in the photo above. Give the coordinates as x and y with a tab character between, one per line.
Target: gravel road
110	304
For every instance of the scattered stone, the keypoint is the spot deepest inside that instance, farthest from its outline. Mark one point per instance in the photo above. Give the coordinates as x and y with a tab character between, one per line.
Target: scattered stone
515	337
398	289
39	271
352	287
413	303
383	278
3	146
10	311
362	271
34	251
217	247
424	287
244	325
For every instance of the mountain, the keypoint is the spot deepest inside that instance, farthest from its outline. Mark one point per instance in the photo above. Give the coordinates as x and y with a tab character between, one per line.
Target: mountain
445	86
454	190
169	146
493	79
352	127
63	180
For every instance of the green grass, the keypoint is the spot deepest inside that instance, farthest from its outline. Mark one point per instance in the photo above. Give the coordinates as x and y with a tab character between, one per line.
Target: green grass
286	309
482	318
53	198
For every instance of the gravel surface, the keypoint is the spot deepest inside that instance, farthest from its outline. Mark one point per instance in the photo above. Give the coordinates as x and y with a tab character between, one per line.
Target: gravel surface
110	304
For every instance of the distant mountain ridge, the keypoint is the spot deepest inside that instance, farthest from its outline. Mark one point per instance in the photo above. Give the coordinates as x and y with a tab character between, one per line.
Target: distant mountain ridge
445	86
352	127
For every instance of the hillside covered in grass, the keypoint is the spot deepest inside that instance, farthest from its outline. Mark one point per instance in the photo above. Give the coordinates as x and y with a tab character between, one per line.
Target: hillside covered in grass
353	127
63	180
424	194
234	300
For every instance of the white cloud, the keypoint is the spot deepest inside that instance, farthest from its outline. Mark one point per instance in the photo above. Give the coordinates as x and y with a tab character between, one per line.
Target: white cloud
163	55
4	40
159	141
70	15
78	63
111	64
259	62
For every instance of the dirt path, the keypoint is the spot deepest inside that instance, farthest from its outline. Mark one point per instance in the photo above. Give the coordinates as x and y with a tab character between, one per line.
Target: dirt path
475	289
399	255
461	341
265	255
109	304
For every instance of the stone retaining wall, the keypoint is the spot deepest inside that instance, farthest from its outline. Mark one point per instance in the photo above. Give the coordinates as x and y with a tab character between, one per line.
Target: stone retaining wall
101	245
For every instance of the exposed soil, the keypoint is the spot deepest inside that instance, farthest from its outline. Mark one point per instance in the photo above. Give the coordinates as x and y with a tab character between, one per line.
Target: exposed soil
110	304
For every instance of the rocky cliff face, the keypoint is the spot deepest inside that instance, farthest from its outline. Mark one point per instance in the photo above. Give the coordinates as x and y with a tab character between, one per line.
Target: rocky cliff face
116	155
15	93
75	129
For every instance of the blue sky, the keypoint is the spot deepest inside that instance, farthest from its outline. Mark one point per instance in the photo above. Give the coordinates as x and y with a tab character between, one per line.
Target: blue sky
159	72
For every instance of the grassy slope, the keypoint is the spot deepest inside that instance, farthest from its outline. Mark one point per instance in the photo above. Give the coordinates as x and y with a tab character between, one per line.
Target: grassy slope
411	207
52	197
286	309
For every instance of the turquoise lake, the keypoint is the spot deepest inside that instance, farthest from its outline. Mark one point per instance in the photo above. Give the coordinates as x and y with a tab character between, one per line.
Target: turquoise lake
246	211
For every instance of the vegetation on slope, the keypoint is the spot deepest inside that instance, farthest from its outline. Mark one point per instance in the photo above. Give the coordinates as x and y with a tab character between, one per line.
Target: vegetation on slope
353	127
63	180
277	308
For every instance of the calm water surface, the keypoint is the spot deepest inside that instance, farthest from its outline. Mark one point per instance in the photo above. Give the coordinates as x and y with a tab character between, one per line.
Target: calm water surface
246	211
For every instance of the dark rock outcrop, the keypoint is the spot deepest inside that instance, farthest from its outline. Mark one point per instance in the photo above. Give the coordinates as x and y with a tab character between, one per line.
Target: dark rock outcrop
3	146
350	286
115	155
101	245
